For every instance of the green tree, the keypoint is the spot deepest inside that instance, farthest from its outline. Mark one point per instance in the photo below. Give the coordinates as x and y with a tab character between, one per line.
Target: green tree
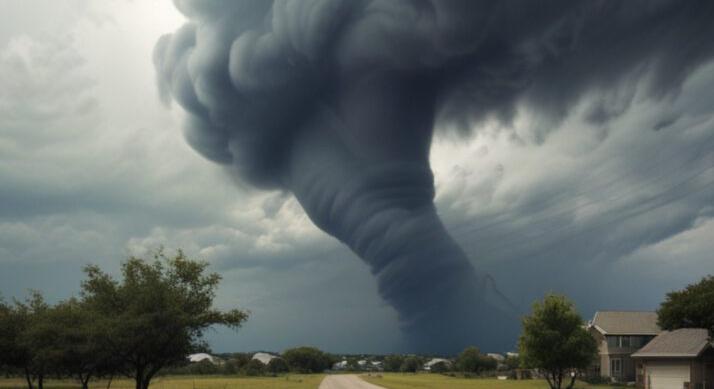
253	368
411	364
393	362
472	361
555	340
76	345
277	366
157	313
692	307
307	360
34	340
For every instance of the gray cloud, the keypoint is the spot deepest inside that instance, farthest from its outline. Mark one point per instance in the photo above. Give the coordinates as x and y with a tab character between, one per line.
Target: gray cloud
337	101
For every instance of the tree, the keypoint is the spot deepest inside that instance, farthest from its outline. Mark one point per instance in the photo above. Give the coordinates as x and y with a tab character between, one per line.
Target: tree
278	365
307	360
411	364
555	341
472	361
33	339
157	313
254	367
692	307
393	362
77	345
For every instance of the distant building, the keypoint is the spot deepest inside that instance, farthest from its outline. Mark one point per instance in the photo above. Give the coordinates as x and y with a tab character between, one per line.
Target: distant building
498	357
682	358
265	358
200	357
434	361
512	355
619	334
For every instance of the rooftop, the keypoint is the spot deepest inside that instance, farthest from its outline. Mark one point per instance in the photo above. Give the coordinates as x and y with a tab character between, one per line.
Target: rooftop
626	323
682	343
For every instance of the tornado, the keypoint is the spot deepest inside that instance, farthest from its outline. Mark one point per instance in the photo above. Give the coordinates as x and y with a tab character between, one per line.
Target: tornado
337	102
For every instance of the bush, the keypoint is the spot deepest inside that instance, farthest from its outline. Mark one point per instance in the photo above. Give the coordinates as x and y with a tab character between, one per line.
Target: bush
393	363
307	360
253	368
410	365
277	366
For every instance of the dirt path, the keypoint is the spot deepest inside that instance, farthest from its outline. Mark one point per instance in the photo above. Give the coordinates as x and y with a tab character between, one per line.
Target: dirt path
346	381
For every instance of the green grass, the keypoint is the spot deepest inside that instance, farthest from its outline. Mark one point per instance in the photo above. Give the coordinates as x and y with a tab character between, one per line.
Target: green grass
438	381
292	381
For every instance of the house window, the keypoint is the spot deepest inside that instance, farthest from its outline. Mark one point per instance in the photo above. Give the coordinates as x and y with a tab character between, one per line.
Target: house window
616	367
612	341
624	341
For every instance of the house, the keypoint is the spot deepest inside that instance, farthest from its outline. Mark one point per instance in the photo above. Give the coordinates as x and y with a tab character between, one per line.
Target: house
434	361
678	359
200	357
265	358
497	357
619	334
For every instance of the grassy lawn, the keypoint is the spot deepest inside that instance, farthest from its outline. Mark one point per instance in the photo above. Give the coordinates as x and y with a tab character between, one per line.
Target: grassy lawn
293	381
438	381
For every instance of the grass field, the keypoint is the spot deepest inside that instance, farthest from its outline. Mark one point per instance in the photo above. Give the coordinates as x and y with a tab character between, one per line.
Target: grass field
293	381
437	381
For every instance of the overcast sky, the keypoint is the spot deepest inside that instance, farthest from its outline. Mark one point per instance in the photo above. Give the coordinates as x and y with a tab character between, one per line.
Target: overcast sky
93	168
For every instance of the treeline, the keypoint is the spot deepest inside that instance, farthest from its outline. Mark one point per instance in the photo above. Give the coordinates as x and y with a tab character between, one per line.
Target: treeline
470	362
304	360
135	326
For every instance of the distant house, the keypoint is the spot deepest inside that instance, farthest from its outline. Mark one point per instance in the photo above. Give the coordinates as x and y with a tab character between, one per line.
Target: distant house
434	361
678	359
619	335
497	357
200	357
264	357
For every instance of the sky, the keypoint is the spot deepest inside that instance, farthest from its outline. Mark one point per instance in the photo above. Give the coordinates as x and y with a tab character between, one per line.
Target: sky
93	168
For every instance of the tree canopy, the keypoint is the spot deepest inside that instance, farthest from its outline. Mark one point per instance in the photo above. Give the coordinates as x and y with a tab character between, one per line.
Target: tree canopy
555	340
307	359
692	307
472	361
157	313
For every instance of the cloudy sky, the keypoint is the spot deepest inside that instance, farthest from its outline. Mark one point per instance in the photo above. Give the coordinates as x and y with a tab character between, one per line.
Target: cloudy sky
93	168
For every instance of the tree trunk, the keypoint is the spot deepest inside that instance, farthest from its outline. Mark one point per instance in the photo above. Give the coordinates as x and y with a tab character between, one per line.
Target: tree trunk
28	376
109	384
40	381
572	380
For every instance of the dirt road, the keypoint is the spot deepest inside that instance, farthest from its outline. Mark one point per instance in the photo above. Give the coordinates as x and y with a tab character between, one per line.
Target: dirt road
346	381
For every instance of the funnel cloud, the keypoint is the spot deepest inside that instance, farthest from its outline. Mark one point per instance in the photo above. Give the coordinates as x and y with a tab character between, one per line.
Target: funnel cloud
337	102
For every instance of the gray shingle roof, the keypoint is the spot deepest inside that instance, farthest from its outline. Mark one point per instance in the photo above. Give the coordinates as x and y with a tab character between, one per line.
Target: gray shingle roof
685	342
626	323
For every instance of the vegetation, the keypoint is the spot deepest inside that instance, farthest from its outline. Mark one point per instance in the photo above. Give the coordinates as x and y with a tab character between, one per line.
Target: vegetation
439	381
472	361
149	320
191	382
555	341
411	364
692	307
307	360
393	363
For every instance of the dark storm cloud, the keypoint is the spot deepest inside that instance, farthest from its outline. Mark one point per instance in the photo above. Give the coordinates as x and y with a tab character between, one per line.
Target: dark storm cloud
336	101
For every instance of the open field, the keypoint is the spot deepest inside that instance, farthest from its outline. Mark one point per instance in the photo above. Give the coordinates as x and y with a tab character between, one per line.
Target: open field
293	381
438	381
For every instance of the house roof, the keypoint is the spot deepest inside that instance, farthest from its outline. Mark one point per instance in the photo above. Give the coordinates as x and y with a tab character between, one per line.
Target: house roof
681	343
626	323
264	357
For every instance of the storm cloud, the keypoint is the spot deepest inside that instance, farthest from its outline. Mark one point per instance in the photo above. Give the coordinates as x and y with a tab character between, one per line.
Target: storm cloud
337	102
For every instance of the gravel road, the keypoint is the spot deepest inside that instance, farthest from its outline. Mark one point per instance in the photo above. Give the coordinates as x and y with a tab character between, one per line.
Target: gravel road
346	381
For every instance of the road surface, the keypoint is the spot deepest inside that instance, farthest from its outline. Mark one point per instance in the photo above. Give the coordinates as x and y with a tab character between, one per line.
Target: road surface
346	381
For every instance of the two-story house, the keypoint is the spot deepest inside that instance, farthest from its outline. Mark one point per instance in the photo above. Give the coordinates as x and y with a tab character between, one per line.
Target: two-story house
619	335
